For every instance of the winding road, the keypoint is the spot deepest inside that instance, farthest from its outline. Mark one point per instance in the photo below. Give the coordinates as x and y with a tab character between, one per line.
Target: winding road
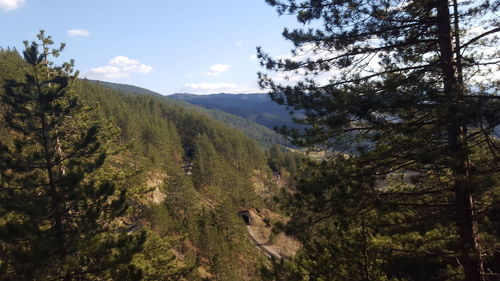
270	253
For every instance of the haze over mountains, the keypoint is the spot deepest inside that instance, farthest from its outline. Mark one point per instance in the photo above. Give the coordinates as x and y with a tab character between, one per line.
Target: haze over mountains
258	108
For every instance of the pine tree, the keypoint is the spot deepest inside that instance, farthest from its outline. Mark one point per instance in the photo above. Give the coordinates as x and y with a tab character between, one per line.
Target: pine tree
412	84
182	200
207	166
158	262
58	209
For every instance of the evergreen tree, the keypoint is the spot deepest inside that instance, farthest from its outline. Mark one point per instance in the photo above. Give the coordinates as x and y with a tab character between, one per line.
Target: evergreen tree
58	208
207	166
182	200
158	262
196	224
411	84
276	158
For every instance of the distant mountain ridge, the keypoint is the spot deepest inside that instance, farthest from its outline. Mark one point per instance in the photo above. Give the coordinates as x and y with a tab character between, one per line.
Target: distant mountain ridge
265	136
125	88
258	108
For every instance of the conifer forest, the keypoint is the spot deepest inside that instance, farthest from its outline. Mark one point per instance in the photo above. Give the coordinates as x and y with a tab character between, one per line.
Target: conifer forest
370	152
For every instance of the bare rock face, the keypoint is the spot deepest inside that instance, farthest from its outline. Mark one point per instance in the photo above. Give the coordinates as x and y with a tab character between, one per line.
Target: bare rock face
154	182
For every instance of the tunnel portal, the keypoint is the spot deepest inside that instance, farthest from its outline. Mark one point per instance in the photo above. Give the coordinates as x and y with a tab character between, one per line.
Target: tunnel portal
245	215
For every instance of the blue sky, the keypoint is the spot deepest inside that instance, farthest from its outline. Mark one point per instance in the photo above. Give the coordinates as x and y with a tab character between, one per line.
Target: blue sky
196	46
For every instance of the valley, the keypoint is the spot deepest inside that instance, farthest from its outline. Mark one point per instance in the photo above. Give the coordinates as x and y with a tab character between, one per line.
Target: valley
191	215
189	141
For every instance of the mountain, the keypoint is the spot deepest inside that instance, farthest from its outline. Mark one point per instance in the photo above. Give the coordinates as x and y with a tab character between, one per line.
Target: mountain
261	133
258	108
125	88
191	216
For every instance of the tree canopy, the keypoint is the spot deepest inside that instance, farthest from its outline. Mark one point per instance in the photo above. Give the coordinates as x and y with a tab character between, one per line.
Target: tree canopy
412	85
58	207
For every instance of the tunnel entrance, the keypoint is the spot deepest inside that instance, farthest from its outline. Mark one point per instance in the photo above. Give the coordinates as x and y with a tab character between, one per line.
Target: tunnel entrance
245	215
246	219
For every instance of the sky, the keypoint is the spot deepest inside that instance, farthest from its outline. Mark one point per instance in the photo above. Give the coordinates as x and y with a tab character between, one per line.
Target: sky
196	46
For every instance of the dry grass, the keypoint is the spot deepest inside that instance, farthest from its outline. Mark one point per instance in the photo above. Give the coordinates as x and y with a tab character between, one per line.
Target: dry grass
262	221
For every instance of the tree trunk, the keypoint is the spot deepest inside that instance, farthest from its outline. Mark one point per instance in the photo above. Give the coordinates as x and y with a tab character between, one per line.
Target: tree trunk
56	202
470	258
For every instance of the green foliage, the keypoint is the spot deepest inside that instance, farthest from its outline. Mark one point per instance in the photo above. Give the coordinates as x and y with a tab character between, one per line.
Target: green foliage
182	200
223	161
58	210
407	84
157	260
248	126
280	159
266	137
255	108
195	232
12	65
142	123
207	165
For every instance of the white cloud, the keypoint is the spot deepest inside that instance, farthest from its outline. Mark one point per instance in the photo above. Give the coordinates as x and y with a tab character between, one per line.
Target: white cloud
10	5
239	43
122	61
253	57
217	69
78	32
119	67
212	88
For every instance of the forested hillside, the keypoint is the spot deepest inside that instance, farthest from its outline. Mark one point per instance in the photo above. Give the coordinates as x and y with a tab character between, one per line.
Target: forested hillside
258	108
199	210
185	176
387	167
249	126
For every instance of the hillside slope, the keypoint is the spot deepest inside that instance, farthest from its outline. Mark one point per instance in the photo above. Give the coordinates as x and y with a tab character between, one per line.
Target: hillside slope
266	136
193	215
258	108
